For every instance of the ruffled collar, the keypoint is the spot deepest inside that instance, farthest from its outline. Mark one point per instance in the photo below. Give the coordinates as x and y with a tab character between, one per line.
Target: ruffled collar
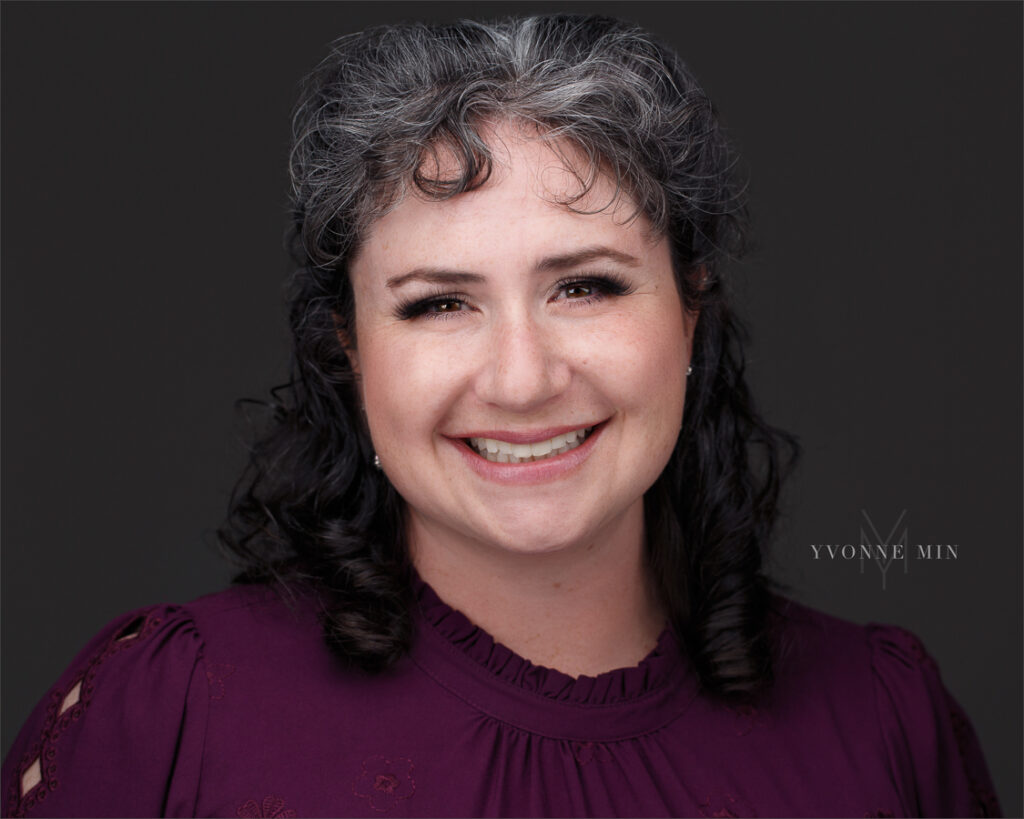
618	704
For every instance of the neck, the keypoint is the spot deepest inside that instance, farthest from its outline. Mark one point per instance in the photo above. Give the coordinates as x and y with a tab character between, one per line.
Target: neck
583	609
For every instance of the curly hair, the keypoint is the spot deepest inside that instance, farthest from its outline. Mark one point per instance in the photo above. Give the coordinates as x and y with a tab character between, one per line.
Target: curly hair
367	131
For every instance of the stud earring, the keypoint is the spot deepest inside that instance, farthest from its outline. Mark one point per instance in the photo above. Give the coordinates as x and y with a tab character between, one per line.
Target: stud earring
376	460
689	371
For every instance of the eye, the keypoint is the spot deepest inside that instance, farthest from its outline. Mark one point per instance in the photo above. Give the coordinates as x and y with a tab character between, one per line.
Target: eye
591	288
446	306
443	305
579	291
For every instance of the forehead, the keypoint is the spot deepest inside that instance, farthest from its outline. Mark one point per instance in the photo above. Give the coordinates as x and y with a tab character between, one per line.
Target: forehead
542	196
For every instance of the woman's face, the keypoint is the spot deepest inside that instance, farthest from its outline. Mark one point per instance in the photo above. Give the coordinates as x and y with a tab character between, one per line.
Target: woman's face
522	365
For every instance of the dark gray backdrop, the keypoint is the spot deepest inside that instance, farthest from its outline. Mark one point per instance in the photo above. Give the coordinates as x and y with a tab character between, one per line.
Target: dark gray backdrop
144	151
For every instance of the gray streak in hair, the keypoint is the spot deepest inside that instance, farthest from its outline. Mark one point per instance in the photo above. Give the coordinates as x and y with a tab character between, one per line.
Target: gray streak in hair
387	99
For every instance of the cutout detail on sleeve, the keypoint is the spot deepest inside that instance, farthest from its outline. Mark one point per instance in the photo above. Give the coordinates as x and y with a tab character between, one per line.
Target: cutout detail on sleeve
37	774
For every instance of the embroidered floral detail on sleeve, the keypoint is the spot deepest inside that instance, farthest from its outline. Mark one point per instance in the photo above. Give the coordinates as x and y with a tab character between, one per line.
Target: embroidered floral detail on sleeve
724	805
215	676
587	752
36	776
272	807
384	782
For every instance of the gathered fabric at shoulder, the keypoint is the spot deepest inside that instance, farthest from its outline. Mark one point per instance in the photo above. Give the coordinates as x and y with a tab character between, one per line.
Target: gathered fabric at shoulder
933	750
121	731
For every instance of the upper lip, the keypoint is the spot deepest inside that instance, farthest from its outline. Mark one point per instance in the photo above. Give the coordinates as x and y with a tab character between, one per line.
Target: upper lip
524	436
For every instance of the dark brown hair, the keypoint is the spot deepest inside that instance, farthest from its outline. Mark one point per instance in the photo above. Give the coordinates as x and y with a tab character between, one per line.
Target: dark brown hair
312	506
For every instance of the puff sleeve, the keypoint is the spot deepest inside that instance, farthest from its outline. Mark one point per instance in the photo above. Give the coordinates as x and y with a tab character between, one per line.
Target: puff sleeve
935	757
121	732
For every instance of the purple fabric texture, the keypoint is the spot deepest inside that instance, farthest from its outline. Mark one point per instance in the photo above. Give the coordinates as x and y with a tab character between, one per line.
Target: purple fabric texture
233	706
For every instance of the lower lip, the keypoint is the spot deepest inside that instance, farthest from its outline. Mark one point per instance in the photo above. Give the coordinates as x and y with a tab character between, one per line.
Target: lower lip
548	469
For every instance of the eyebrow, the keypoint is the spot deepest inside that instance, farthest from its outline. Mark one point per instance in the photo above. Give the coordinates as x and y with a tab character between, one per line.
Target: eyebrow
565	261
433	275
585	256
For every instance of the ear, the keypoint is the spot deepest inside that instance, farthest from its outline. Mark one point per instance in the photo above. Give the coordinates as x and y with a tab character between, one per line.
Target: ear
692	316
347	342
702	279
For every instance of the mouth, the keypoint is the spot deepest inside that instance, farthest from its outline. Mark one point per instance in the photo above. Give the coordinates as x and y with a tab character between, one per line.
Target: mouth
504	452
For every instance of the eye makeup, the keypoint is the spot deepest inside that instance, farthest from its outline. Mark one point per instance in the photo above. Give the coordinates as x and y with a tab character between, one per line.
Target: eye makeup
592	287
431	306
576	290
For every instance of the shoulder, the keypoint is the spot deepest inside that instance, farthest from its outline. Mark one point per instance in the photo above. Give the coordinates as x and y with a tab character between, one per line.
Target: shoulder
809	641
126	689
823	688
283	618
884	693
929	737
122	731
822	656
818	654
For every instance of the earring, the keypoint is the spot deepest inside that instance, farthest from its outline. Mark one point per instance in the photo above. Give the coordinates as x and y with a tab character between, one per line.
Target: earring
376	460
689	371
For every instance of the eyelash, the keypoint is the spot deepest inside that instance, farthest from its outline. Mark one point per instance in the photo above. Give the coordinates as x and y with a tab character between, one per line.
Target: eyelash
607	284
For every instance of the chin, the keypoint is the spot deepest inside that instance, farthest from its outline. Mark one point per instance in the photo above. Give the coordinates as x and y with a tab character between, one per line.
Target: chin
525	539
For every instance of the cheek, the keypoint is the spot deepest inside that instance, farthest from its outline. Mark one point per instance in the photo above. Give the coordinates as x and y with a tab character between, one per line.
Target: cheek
657	380
642	362
660	388
405	386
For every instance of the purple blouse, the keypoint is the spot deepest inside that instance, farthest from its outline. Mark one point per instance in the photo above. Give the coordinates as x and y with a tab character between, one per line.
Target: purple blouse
233	706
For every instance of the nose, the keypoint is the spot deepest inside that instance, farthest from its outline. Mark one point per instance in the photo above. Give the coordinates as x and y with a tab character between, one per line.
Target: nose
524	367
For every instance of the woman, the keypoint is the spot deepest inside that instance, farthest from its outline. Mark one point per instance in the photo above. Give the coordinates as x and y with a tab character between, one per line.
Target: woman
503	537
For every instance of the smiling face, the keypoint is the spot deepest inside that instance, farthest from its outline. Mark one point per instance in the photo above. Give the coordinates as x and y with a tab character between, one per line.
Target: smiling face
522	365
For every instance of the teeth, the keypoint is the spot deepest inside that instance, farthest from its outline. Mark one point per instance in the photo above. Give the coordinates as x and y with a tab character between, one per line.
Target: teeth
503	452
541	449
